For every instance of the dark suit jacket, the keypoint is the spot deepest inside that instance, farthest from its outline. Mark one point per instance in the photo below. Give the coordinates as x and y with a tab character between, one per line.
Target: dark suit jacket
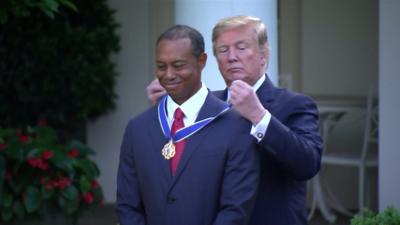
215	182
290	155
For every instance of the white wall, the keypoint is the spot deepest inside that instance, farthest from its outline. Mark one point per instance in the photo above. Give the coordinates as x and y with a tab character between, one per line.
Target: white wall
389	78
105	134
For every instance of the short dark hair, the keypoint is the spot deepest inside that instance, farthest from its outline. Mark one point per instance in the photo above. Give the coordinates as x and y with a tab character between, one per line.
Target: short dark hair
183	31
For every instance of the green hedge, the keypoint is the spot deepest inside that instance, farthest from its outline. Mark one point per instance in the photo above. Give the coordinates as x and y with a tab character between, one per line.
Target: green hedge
390	216
12	8
58	69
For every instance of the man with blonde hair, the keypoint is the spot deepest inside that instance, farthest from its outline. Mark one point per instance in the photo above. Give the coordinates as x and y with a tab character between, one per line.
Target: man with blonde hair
285	123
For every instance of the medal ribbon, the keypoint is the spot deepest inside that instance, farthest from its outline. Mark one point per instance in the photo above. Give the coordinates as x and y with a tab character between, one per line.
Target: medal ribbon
185	132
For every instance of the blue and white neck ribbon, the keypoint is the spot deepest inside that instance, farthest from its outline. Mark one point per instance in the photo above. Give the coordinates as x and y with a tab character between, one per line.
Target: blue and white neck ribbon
185	132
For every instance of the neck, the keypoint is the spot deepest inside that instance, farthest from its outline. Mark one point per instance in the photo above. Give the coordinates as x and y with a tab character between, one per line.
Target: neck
180	100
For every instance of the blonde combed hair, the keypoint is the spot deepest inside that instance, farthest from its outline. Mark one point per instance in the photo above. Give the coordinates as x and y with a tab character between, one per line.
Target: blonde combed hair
242	21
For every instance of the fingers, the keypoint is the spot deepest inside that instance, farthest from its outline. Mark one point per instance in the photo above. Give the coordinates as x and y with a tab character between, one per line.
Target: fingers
240	91
155	91
245	101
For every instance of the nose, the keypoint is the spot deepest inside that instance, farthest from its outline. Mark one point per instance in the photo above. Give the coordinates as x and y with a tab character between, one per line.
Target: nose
169	73
232	56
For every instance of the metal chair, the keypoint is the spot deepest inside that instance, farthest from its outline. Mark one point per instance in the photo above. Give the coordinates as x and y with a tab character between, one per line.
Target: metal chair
360	160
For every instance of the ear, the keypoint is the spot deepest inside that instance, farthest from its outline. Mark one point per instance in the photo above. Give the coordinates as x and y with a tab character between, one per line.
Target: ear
264	56
202	60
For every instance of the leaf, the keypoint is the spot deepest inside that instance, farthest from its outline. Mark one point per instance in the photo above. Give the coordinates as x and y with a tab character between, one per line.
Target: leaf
19	210
84	184
47	135
6	132
7	200
6	214
3	17
47	194
15	151
63	162
70	192
82	148
32	199
89	168
2	173
69	4
98	194
68	206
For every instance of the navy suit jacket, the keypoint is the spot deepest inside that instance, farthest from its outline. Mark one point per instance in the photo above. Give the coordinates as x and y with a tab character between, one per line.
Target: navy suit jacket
290	154
215	182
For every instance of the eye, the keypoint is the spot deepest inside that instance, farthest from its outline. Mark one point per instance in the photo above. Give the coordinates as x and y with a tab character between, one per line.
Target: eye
179	65
222	49
161	66
242	46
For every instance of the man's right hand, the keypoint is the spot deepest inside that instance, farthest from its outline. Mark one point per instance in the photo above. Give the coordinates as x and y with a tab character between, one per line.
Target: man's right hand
155	91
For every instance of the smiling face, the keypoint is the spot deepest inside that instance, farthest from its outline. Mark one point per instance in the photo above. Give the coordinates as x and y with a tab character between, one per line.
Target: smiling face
239	56
178	69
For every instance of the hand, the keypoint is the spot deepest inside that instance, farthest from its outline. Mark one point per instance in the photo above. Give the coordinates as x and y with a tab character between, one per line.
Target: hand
245	100
154	91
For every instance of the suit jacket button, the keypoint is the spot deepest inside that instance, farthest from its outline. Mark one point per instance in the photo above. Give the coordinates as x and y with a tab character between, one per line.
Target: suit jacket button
171	200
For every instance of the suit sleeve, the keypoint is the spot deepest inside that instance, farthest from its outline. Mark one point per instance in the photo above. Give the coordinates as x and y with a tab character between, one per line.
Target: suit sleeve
129	205
295	142
240	182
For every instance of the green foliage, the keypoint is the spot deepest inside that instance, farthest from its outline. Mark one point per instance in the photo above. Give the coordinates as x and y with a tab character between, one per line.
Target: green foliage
24	7
58	69
390	216
40	176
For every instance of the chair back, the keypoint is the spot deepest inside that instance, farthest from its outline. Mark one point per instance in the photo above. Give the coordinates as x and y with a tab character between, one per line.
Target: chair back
371	121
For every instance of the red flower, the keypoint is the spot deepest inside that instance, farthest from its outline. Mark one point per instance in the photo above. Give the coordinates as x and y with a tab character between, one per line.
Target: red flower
42	123
88	197
49	186
47	154
2	146
34	162
8	175
42	180
43	165
73	153
38	162
18	131
63	183
23	138
94	184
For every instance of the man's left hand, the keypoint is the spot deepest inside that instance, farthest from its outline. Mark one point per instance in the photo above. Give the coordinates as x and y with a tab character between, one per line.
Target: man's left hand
245	100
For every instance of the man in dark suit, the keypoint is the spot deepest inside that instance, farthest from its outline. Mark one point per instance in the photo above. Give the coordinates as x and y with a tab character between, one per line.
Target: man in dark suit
285	123
189	160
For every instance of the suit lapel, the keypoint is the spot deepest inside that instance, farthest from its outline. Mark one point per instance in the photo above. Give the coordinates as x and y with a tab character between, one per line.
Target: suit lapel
266	93
158	140
211	108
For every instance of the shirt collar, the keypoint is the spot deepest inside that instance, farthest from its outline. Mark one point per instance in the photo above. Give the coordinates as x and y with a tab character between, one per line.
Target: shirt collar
258	84
190	107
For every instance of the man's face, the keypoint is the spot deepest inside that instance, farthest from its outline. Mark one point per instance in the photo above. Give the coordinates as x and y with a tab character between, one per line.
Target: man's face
239	56
178	69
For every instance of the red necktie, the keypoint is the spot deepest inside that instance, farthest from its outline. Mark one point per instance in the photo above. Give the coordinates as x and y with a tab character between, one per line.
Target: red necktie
176	125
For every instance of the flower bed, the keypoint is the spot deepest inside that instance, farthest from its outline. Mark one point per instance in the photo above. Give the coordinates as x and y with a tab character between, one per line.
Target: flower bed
39	176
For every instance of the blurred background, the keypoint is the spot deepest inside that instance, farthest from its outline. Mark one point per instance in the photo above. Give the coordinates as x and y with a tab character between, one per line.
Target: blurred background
343	53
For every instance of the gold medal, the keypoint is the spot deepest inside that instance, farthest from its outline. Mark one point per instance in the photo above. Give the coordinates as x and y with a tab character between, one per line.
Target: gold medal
168	150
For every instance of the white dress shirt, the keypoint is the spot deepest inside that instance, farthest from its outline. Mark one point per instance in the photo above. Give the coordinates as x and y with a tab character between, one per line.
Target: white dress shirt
190	107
